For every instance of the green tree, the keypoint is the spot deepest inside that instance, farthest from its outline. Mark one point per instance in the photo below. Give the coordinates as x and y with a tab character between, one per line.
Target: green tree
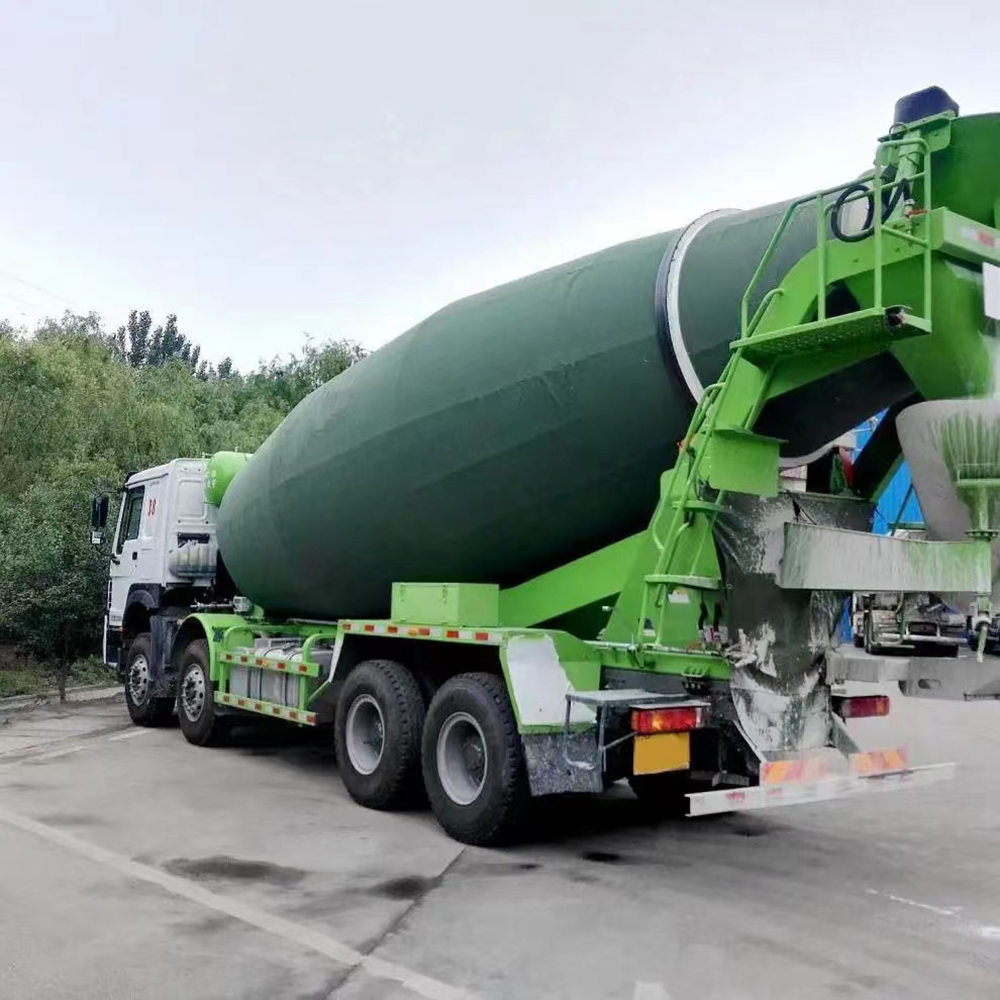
52	580
79	410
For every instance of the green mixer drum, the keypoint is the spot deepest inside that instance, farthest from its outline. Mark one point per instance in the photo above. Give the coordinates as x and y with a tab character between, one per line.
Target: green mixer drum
508	433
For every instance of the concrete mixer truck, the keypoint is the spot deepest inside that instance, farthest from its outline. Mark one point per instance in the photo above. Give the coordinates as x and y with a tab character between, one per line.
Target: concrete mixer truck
538	543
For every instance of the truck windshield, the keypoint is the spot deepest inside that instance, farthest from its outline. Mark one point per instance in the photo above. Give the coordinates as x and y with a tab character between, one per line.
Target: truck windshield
133	514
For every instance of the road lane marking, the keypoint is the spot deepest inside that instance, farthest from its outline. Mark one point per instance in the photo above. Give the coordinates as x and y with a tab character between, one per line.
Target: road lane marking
20	755
985	931
53	754
299	934
941	911
129	734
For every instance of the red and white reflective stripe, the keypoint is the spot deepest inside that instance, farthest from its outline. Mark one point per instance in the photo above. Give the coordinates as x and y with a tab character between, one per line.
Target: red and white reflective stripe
407	631
267	662
802	792
267	708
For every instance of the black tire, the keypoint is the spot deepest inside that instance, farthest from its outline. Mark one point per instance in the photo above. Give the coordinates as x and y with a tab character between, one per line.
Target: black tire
870	647
859	641
382	771
143	707
200	722
663	796
490	809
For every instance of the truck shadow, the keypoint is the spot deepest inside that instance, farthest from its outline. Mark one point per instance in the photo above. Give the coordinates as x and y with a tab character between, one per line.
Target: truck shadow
559	819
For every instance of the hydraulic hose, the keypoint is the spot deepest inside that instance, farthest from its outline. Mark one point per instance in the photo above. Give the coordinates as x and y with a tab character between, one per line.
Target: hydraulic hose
890	200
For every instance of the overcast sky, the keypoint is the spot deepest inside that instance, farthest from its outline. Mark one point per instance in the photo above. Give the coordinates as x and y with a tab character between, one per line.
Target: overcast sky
268	169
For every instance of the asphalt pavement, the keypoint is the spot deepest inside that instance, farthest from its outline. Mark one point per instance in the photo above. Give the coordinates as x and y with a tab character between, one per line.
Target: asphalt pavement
133	865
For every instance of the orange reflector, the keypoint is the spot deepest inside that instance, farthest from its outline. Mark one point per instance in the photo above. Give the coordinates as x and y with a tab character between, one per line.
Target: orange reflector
482	636
871	762
303	668
451	633
424	631
369	628
807	769
241	702
244	659
257	706
281	665
666	720
392	629
862	707
293	714
346	626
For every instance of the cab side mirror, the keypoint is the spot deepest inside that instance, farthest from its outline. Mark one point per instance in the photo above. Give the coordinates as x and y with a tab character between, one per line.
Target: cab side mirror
98	518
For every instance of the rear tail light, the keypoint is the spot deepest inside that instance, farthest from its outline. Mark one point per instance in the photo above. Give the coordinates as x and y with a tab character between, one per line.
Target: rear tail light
666	720
861	708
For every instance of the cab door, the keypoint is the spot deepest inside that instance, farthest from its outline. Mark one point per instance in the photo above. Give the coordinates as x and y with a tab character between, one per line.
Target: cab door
125	555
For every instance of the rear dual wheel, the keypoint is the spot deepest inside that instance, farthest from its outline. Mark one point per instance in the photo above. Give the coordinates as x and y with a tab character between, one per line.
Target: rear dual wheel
463	751
472	761
380	715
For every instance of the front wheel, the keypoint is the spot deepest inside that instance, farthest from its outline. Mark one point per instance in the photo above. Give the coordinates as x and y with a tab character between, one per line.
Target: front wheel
473	764
200	723
144	708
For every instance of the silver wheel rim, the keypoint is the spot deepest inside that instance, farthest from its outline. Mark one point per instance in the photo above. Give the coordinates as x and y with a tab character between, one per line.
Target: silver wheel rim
364	734
138	679
462	761
193	693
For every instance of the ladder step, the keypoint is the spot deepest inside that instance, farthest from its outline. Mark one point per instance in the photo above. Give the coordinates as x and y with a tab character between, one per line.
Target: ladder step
269	708
875	327
676	580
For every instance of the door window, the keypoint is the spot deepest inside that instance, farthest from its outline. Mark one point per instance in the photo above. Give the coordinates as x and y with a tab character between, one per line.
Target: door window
133	515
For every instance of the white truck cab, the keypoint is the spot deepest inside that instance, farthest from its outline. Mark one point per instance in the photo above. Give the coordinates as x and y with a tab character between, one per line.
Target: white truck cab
165	535
164	562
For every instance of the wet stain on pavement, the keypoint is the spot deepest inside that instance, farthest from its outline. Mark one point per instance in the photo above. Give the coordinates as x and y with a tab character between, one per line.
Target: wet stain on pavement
498	868
222	866
22	786
72	819
210	925
750	828
603	857
407	887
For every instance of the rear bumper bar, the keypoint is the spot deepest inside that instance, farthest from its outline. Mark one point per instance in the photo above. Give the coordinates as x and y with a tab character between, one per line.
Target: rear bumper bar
821	790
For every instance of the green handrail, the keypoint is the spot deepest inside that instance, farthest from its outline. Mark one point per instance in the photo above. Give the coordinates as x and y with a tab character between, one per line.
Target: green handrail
706	413
919	149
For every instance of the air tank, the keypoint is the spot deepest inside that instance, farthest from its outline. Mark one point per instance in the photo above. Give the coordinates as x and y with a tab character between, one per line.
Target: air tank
520	428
